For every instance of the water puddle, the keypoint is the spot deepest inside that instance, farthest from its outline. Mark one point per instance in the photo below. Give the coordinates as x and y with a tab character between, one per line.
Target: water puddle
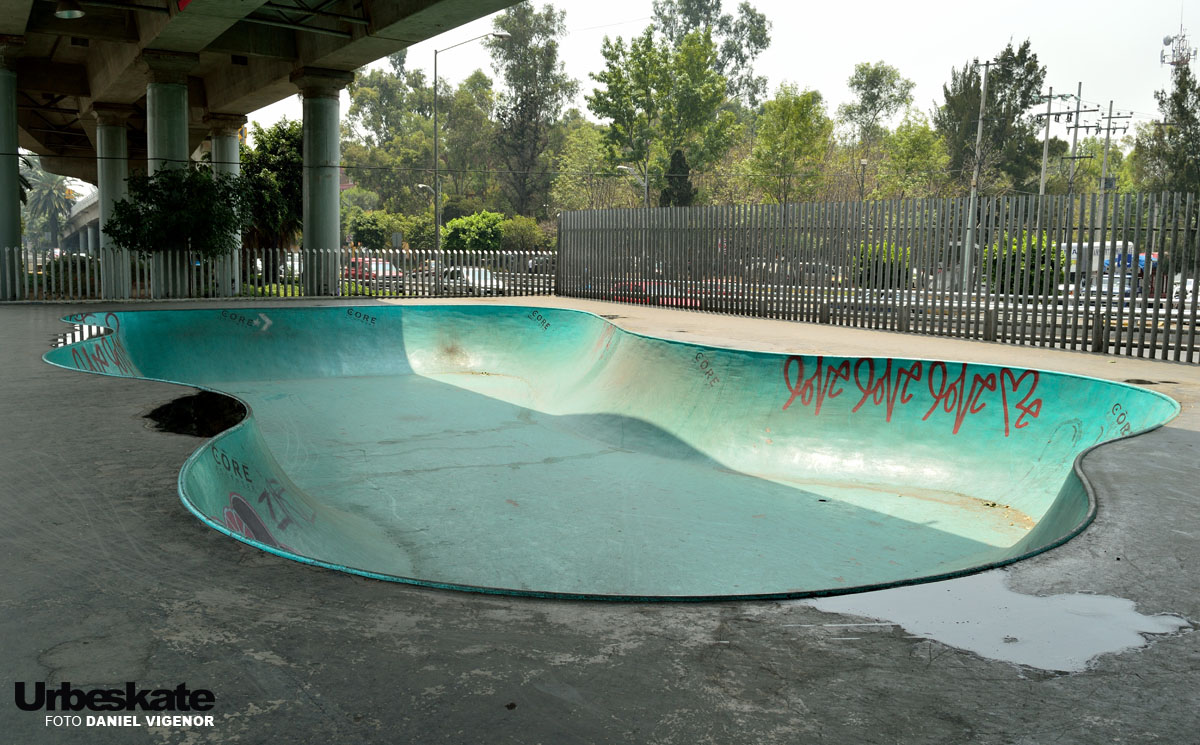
79	332
981	614
202	414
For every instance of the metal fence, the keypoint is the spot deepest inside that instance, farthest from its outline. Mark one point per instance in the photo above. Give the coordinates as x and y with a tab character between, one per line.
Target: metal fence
53	275
1112	274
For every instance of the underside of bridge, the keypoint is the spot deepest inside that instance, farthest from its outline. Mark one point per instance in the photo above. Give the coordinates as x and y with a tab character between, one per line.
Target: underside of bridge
100	87
236	56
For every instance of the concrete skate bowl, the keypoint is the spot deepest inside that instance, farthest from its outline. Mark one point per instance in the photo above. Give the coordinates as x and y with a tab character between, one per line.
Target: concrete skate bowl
550	453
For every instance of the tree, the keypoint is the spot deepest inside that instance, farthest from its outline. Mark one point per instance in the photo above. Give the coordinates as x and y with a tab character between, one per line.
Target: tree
1010	153
659	99
879	92
388	135
1089	167
793	132
739	40
468	154
274	173
914	161
1166	155
479	232
47	198
373	230
679	191
585	179
203	208
537	89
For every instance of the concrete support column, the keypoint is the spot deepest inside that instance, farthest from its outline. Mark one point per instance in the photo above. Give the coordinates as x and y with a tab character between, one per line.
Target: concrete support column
10	190
167	141
320	89
112	170
93	238
227	159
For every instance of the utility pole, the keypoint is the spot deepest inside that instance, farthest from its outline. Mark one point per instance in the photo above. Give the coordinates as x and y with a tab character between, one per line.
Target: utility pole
971	204
1075	134
1046	135
1108	129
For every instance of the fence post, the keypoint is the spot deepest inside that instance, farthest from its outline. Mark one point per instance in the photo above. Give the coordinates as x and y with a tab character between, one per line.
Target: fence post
1099	332
989	324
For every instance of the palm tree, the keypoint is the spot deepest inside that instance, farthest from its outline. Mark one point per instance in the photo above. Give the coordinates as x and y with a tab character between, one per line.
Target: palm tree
48	197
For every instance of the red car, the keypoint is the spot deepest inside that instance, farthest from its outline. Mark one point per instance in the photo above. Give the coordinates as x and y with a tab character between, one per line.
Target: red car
653	293
377	273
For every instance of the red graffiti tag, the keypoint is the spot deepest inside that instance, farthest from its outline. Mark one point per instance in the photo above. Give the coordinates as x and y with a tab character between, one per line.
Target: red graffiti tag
1028	406
890	388
97	355
822	385
953	397
886	388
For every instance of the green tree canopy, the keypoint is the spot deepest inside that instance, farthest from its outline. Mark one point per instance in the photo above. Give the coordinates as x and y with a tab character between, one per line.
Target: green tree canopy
189	208
274	174
47	198
793	133
879	92
658	99
479	232
585	179
1166	155
915	160
388	135
739	39
537	88
469	132
1010	153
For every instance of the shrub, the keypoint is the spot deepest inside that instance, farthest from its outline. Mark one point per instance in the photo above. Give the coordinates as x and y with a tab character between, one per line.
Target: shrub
180	209
883	264
417	231
1009	258
373	229
520	233
478	232
457	206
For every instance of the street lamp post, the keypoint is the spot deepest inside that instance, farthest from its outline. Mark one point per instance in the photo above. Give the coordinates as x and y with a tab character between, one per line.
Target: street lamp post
437	178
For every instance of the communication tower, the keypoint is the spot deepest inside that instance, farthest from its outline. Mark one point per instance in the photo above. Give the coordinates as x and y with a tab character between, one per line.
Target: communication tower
1178	51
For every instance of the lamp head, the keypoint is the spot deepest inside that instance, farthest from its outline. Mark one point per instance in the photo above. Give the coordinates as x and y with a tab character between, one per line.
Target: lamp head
68	10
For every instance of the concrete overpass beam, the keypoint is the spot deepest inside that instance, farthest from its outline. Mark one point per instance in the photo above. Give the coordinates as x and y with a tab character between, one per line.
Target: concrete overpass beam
167	108
227	159
112	169
322	162
167	142
10	190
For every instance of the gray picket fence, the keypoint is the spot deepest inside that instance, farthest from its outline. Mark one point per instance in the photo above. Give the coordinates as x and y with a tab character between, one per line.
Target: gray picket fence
52	275
1113	274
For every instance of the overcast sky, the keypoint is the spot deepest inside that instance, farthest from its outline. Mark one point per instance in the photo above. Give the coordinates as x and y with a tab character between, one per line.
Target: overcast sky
1111	46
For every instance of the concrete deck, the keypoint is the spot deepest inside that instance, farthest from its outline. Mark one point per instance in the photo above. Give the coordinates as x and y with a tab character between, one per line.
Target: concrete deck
108	579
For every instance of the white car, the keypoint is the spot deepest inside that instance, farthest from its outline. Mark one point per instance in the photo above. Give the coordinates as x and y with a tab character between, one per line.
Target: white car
471	280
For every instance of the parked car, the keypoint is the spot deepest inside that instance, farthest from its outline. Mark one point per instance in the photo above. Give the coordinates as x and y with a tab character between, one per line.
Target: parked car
291	267
540	265
653	293
471	280
377	273
1122	284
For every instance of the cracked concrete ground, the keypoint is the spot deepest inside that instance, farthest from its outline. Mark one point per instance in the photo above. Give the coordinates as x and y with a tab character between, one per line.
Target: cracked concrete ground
108	579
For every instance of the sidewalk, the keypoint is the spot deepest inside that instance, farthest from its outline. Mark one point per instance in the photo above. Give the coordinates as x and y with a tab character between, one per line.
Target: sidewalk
109	579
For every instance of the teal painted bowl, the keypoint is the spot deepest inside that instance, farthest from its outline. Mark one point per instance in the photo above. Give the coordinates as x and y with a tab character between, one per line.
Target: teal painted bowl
547	452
